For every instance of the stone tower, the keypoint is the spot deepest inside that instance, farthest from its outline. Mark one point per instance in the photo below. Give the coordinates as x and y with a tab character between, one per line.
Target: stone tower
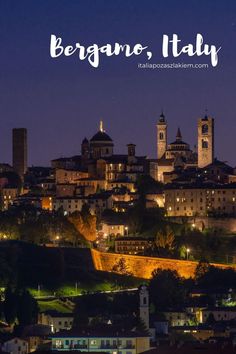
85	149
205	141
161	136
19	151
144	305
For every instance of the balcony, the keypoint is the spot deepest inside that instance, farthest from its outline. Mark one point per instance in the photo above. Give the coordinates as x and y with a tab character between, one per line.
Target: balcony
116	346
128	346
70	347
78	346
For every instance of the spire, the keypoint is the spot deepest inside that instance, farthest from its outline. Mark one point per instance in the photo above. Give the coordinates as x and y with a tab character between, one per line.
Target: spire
178	135
206	114
101	126
162	116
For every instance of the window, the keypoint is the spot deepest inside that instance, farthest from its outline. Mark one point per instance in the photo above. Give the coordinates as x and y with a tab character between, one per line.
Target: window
204	129
161	136
93	342
204	144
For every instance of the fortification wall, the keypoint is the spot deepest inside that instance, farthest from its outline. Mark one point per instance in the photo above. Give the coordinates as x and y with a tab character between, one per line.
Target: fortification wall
143	267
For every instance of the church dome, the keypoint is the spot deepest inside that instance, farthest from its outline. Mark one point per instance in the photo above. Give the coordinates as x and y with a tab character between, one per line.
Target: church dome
101	136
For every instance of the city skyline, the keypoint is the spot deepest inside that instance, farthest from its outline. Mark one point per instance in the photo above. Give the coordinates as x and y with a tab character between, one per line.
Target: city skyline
122	149
61	101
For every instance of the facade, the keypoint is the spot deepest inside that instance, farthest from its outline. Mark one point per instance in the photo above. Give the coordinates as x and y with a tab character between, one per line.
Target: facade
219	314
161	136
144	305
8	196
15	346
69	175
56	321
19	151
205	141
104	340
177	318
200	200
98	160
131	245
97	203
113	228
178	156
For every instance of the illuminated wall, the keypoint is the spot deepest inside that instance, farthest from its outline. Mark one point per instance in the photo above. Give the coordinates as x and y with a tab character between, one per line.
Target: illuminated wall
143	267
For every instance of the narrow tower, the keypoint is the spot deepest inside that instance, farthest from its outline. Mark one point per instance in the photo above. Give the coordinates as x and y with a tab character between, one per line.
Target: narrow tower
19	151
205	141
161	136
144	305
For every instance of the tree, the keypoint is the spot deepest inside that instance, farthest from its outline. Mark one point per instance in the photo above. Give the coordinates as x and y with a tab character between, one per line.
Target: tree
165	239
10	305
166	289
224	278
85	223
211	319
81	318
121	267
27	312
201	269
136	218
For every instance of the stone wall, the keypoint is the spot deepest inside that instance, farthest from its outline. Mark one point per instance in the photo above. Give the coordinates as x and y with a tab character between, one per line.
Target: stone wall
143	267
227	224
204	222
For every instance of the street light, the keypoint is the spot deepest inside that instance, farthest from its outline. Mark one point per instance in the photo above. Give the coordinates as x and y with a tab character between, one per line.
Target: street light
127	230
187	252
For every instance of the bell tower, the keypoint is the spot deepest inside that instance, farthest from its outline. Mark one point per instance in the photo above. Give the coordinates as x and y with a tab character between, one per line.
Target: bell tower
205	141
161	136
144	305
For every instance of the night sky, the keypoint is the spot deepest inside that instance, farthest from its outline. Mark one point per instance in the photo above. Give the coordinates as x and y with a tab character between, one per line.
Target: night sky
61	101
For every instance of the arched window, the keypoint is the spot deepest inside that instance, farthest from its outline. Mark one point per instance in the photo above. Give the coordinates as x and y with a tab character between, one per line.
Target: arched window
204	144
161	136
205	129
145	300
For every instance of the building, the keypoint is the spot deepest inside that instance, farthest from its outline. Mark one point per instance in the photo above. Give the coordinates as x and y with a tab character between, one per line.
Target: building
178	318
161	136
113	228
104	339
66	176
144	305
132	245
8	195
19	151
56	321
194	347
200	200
171	156
99	161
205	141
96	202
219	314
200	333
178	156
15	345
